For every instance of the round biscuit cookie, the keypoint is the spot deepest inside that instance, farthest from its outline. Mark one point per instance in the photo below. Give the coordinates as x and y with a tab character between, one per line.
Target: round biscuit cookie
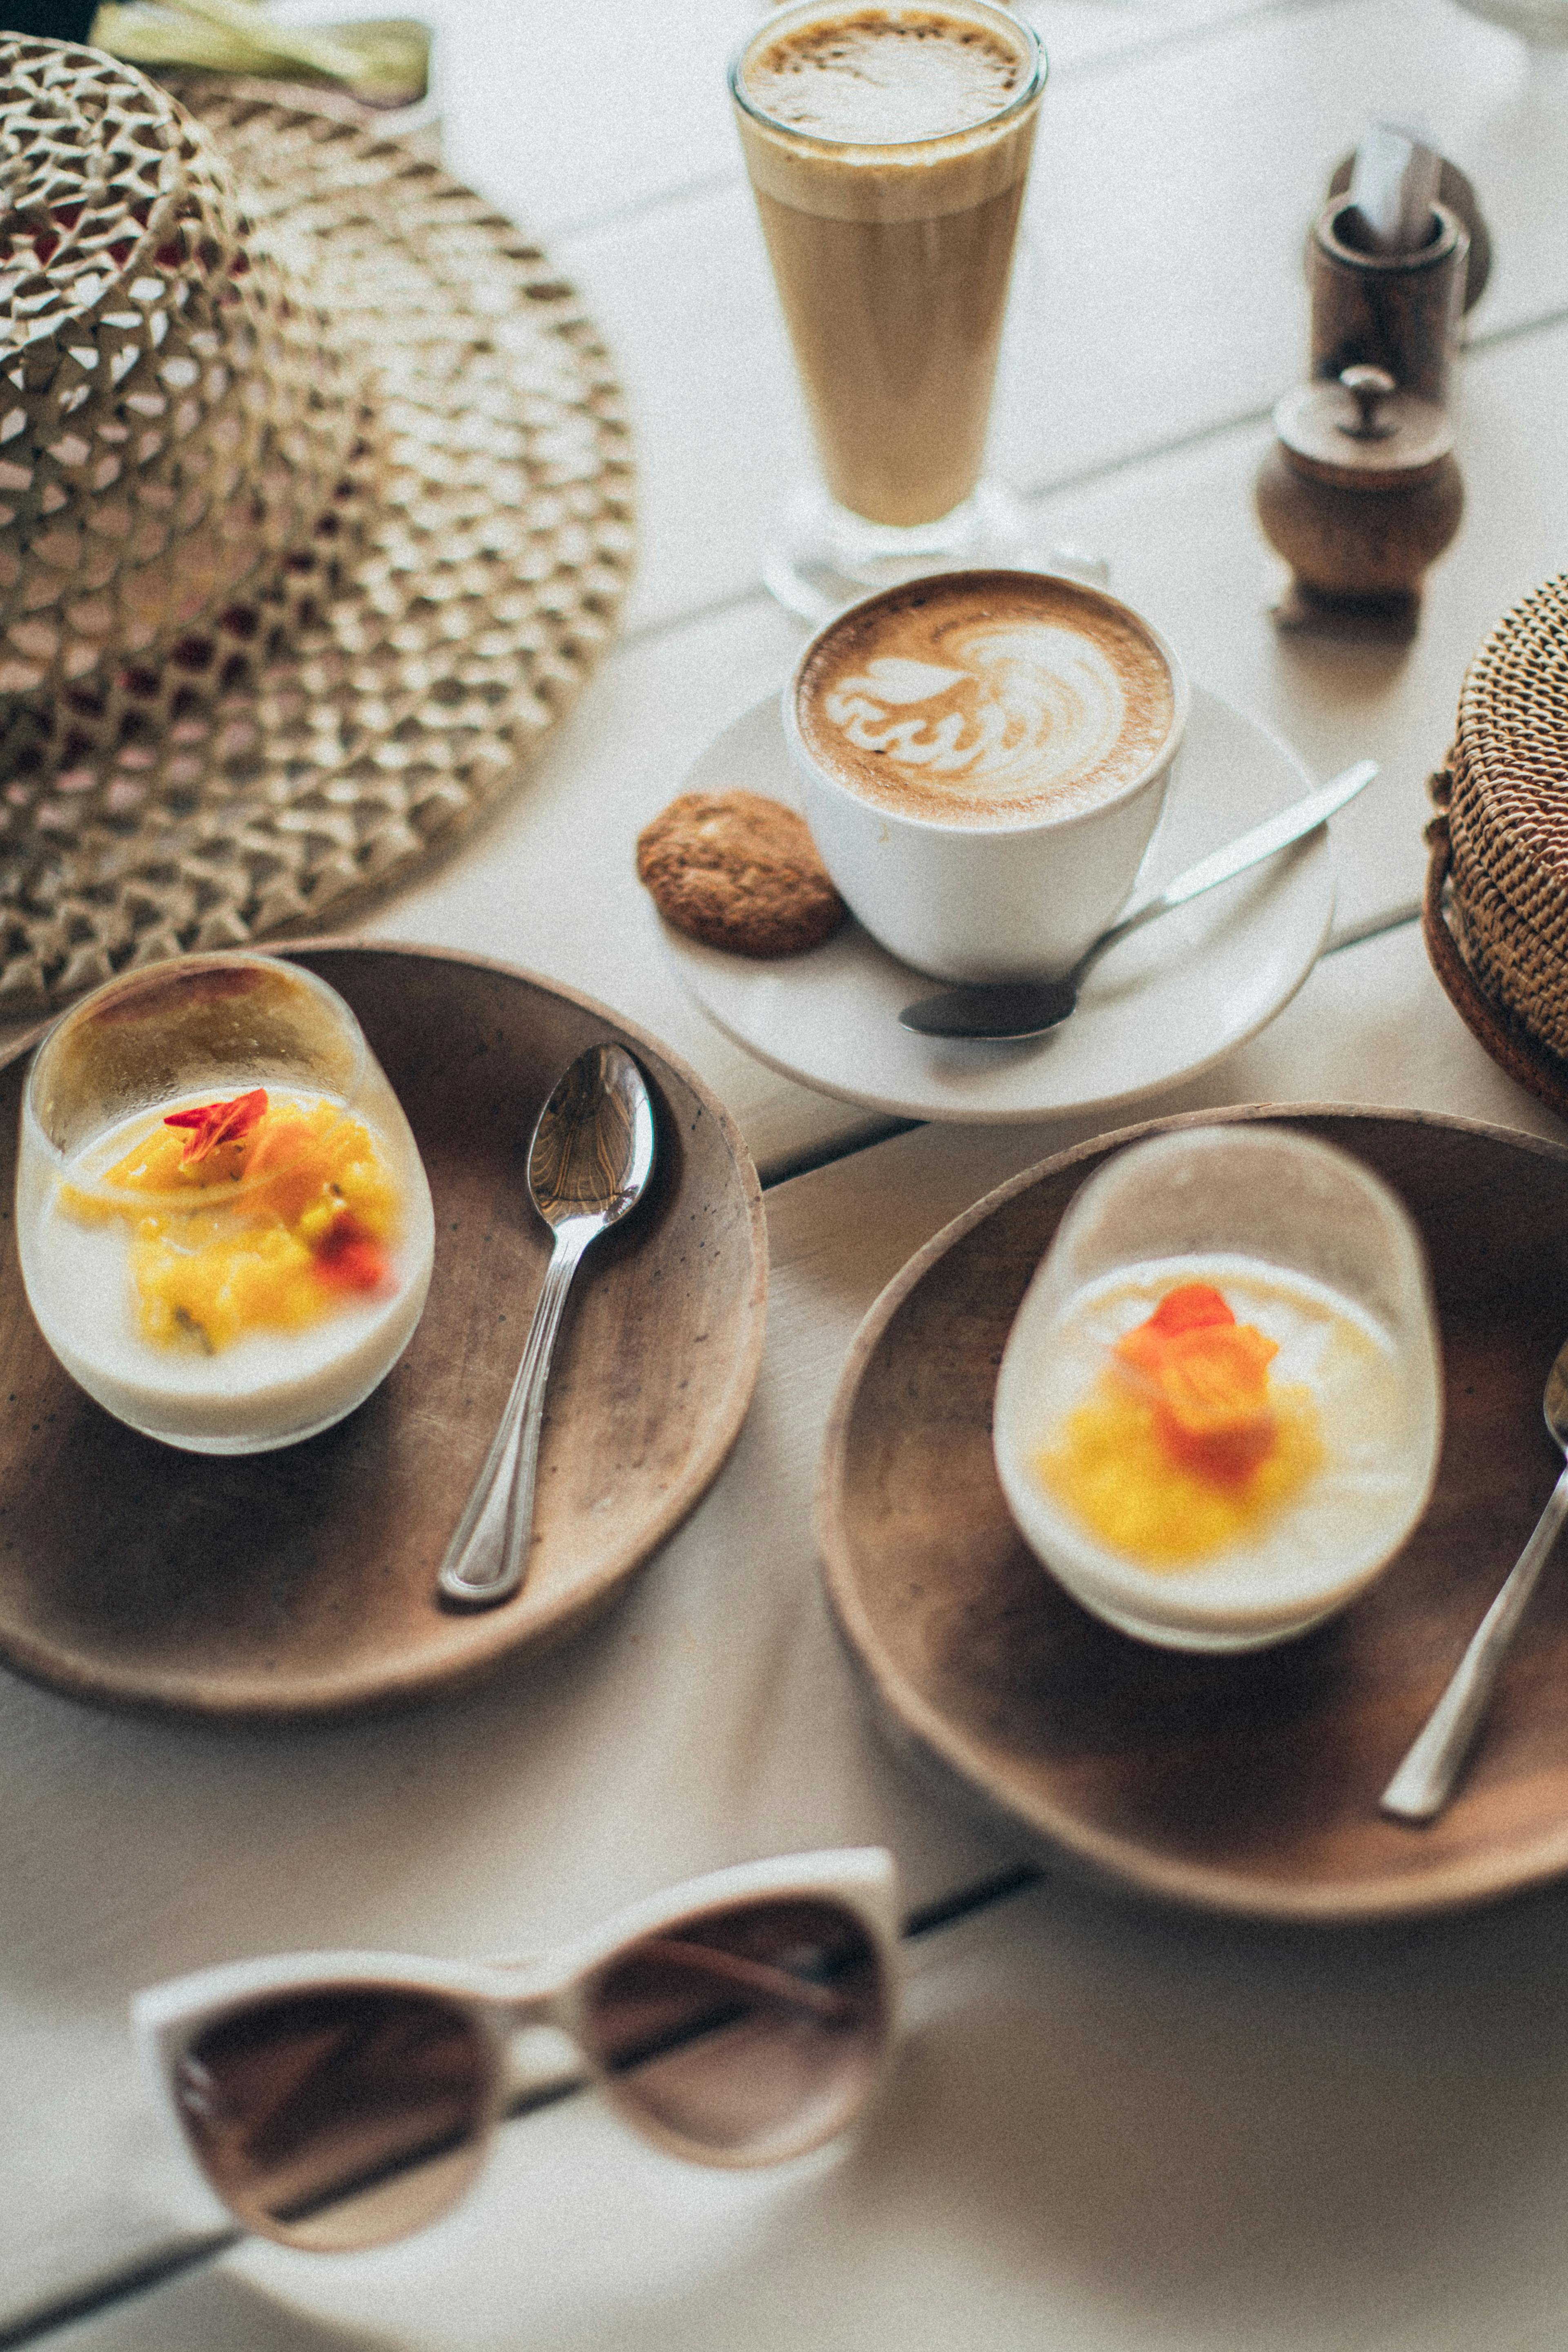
738	871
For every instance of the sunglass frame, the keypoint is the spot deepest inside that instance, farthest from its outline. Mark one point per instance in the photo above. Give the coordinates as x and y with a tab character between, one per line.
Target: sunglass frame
501	1997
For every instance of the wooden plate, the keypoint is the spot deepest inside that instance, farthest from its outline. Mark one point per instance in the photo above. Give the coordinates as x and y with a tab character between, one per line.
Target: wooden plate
302	1582
1246	1785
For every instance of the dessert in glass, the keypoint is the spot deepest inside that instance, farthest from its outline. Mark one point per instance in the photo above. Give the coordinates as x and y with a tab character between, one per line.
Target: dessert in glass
224	1223
1220	1407
888	148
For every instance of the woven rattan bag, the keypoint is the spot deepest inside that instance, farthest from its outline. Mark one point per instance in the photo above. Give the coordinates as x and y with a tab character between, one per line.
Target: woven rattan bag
1497	903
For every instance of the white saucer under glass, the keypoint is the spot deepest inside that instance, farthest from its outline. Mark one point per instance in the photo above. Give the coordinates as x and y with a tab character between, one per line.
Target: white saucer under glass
822	557
1159	1007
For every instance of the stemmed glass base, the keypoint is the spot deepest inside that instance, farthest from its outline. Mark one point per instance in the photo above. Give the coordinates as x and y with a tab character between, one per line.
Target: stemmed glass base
823	557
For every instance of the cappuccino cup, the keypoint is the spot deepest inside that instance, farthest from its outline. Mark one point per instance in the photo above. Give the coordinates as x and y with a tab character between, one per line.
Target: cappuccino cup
982	758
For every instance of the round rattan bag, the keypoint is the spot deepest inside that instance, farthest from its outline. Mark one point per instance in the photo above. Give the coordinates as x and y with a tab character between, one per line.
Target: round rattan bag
1496	895
314	514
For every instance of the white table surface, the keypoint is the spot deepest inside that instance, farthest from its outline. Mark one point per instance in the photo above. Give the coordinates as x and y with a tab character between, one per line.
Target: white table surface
1112	2130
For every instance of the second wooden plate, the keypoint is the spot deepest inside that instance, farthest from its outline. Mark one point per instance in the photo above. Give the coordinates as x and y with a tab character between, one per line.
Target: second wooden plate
1246	1785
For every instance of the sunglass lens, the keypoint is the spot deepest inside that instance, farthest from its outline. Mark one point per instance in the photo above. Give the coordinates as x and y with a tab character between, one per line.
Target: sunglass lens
338	2119
746	2034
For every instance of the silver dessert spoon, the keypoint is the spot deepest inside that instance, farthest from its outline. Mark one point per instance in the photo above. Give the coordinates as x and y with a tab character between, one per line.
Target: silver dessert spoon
1010	1012
589	1160
1425	1781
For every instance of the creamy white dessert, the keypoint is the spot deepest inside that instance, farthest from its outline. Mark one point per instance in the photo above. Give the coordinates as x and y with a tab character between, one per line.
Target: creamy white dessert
1215	1489
207	1353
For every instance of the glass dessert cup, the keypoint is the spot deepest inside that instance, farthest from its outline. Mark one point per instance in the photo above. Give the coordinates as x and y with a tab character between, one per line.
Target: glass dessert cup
307	1246
1307	1247
891	254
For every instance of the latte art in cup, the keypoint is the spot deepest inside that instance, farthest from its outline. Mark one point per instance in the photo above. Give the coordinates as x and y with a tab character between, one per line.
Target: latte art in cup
988	699
982	757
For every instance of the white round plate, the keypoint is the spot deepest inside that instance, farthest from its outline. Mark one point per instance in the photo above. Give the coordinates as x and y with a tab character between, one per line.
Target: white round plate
1167	1002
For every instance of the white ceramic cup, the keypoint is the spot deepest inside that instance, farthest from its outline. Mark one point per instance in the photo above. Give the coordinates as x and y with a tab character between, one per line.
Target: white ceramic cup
1016	897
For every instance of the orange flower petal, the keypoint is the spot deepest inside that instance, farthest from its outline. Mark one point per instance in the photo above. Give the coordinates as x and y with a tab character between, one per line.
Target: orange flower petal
1192	1306
219	1123
1189	1307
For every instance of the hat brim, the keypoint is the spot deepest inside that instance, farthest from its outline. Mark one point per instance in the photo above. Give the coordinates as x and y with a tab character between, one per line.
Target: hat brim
290	783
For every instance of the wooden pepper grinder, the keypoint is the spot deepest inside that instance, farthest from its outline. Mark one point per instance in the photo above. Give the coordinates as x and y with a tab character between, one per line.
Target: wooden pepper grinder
1360	493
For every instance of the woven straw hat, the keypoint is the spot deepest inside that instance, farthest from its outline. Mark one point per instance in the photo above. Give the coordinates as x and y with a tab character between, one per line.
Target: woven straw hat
314	513
1498	930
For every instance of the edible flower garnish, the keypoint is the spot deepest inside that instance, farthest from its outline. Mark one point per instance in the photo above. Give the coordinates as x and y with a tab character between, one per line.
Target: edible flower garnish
1209	1377
219	1123
1185	1443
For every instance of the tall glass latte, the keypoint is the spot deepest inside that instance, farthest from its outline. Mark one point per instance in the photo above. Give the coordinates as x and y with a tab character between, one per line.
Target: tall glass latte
888	148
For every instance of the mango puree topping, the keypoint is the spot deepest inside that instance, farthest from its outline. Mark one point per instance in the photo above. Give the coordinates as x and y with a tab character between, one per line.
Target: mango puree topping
1185	1444
309	1229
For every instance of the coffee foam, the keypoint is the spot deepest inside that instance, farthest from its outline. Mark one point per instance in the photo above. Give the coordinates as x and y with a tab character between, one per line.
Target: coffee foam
886	174
986	698
876	80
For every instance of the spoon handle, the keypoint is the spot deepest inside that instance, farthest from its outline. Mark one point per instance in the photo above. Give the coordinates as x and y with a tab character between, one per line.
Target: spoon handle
484	1561
1421	1787
1265	840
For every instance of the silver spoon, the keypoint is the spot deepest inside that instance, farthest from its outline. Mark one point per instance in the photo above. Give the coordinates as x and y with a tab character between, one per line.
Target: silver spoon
589	1162
1423	1782
1009	1012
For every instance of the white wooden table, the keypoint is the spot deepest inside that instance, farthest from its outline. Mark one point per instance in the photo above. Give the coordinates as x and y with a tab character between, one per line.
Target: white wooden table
1111	2129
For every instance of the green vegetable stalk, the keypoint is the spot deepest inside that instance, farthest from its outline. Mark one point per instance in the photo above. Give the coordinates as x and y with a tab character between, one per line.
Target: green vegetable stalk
383	61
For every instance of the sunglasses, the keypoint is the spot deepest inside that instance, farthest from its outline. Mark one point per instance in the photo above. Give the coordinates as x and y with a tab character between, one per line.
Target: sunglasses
340	2100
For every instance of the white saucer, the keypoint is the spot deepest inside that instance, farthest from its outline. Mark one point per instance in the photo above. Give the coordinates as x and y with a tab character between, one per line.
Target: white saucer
1163	1006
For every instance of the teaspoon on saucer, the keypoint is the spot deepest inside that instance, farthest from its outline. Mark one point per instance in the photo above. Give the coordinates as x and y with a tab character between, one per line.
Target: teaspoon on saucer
589	1160
1011	1012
